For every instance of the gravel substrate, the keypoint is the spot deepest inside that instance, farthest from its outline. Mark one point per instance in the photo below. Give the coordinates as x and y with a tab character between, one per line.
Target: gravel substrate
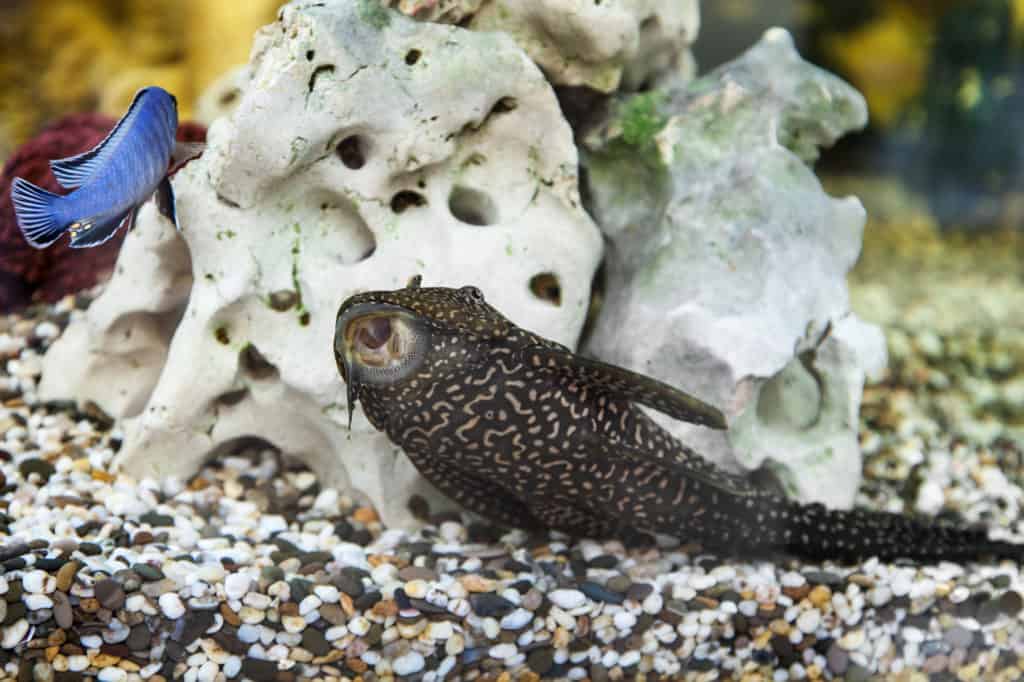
251	570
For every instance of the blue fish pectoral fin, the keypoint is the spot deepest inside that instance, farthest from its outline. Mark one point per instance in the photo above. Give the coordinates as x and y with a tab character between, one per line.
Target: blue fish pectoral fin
165	201
91	232
625	385
183	153
34	209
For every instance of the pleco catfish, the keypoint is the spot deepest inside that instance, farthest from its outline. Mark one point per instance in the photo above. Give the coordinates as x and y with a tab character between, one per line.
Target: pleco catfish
111	180
521	430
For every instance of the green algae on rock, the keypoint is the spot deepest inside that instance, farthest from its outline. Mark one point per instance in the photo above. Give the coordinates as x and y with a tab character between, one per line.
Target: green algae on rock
727	263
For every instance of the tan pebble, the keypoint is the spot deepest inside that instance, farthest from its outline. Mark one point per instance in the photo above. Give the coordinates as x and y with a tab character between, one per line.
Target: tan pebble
301	655
863	580
81	464
476	583
198	483
56	638
104	660
820	595
89	605
129	666
455	645
365	515
356	665
561	638
813	672
103	476
66	575
288	609
417	589
385	608
761	641
797	593
707	602
332	656
505	676
943	589
346	604
852	640
779	627
293	624
60	663
968	673
529	676
51	653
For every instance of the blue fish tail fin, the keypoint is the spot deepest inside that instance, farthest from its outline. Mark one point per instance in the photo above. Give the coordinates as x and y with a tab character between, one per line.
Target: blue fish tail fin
35	210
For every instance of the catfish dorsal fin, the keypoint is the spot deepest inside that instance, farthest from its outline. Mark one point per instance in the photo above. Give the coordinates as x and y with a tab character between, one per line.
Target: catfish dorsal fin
626	385
74	171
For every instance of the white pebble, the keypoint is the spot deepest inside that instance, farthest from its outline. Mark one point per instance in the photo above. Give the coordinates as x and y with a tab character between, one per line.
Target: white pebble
328	593
808	621
237	585
309	604
624	620
294	623
14	633
567	599
502	651
34	582
516	619
112	674
408	664
34	602
653	604
171	606
358	626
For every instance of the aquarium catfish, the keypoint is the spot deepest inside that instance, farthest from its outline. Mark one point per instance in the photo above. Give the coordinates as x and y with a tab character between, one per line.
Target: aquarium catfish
111	180
527	433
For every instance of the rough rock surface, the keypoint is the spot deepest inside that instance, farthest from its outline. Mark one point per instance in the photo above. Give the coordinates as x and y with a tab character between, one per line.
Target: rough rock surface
602	45
365	148
727	263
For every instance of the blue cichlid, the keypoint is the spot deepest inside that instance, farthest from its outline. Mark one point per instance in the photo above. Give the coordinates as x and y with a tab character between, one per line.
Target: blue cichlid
110	181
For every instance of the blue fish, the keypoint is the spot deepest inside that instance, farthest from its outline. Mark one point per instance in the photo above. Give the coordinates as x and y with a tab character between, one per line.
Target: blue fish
110	181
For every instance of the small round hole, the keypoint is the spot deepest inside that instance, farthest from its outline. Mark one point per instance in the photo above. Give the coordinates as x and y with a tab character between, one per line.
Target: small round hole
406	199
233	397
472	206
228	98
505	105
255	364
545	286
352	152
222	336
310	54
412	56
283	300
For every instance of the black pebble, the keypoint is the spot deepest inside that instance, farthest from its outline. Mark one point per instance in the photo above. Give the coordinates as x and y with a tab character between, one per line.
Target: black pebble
489	604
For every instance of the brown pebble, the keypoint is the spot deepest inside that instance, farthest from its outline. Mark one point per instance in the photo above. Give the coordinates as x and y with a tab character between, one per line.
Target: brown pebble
229	616
797	593
66	575
62	612
417	573
89	605
385	608
356	665
333	614
365	515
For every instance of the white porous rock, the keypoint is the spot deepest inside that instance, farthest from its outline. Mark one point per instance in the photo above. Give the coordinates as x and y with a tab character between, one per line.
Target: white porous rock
346	166
727	264
602	45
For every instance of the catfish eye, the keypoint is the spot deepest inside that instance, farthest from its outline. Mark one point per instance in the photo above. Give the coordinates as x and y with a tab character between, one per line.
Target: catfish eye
374	333
382	347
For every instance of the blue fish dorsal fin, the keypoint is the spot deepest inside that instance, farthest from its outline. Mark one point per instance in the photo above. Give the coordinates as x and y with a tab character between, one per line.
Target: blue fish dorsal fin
74	171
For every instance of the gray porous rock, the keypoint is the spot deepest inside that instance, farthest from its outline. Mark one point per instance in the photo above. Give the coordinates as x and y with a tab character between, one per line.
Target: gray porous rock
606	46
727	263
364	148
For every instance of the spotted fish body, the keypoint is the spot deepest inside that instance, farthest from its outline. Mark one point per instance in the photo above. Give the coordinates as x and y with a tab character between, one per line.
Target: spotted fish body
520	430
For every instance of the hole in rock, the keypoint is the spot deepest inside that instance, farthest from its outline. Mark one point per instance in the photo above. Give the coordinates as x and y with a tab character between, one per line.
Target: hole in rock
649	24
228	98
310	54
319	72
352	152
792	400
232	397
255	365
412	56
472	206
406	199
283	300
222	336
598	287
545	286
505	105
304	319
336	231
